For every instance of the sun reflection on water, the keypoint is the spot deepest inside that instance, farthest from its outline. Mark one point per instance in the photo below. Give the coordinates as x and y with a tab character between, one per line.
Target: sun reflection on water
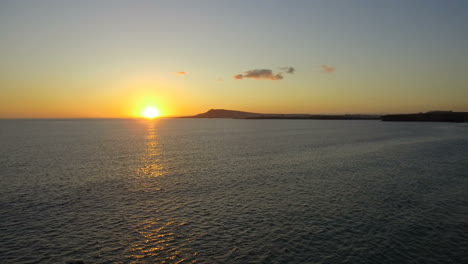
151	160
158	240
159	243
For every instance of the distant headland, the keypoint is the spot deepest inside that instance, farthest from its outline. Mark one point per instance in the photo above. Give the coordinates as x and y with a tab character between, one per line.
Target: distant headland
433	116
223	113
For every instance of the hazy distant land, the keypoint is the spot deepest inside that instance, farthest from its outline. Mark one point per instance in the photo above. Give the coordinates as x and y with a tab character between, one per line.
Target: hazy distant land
434	116
223	113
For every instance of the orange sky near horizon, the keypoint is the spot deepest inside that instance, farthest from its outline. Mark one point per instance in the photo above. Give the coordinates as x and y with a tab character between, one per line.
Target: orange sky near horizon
111	96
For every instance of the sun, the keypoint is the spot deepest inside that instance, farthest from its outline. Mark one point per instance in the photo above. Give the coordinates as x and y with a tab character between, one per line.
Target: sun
151	112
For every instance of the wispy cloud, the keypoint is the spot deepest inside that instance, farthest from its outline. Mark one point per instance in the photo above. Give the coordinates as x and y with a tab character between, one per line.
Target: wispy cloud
181	73
289	70
327	69
260	74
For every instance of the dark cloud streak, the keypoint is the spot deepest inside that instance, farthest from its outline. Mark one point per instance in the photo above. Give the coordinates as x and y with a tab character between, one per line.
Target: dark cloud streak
289	70
264	74
259	74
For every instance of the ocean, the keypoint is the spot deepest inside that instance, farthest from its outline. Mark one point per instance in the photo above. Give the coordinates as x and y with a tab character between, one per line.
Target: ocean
232	191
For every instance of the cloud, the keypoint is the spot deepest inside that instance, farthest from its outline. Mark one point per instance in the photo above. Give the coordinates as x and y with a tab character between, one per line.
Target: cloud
289	70
327	69
238	77
181	73
260	74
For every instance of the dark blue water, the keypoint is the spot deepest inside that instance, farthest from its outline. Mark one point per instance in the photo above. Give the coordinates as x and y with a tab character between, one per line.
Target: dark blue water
233	191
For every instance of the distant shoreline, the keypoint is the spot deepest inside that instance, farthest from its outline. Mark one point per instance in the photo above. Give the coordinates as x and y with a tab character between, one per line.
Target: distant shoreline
223	113
434	116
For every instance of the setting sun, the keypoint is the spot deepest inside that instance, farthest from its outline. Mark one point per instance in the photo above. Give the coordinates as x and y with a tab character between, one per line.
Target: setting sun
151	112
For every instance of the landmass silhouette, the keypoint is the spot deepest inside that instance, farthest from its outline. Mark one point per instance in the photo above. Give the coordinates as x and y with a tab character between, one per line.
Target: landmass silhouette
432	116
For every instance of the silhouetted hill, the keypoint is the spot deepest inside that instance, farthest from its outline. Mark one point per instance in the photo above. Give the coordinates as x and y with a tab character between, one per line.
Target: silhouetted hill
222	113
434	116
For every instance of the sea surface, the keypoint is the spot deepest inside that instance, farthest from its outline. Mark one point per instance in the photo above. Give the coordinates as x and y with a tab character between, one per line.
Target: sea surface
233	191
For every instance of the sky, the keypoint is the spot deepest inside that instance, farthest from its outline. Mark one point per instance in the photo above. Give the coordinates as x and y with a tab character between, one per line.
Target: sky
98	59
